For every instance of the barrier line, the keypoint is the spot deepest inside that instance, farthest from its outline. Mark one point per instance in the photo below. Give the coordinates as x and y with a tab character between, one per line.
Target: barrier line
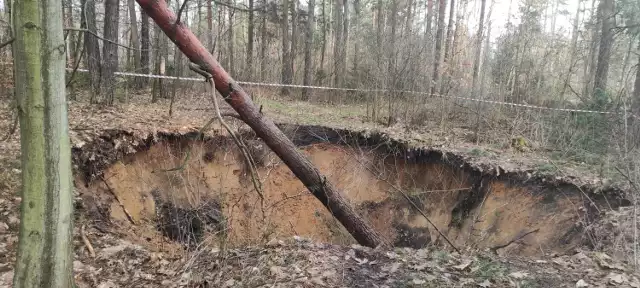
362	90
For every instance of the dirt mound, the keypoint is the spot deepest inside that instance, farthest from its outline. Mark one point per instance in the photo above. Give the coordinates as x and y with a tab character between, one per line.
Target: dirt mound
472	208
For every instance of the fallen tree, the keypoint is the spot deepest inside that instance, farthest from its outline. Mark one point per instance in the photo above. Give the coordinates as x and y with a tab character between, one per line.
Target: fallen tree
240	101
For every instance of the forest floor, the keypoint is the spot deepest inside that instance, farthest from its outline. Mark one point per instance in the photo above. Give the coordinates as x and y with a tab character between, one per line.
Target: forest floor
299	262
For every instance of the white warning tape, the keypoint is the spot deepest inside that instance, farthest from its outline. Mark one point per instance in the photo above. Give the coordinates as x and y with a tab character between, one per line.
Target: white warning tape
200	79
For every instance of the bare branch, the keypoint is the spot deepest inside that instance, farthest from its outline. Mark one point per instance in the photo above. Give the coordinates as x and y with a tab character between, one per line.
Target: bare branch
104	39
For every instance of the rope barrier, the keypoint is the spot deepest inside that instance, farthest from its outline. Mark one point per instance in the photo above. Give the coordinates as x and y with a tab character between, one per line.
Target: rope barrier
362	90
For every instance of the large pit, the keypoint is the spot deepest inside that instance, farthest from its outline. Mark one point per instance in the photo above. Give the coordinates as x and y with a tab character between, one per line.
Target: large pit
212	200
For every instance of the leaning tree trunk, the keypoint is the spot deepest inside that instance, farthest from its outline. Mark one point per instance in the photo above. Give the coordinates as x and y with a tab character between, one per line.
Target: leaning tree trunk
308	49
92	47
111	16
238	99
45	242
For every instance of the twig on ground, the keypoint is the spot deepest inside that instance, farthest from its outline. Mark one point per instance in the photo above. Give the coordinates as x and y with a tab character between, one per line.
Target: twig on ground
86	242
126	212
494	249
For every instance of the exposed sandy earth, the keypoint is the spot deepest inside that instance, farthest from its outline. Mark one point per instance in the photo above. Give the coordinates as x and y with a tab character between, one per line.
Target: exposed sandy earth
119	154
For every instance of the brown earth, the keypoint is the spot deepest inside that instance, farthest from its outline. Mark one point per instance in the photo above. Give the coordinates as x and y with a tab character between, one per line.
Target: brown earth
471	210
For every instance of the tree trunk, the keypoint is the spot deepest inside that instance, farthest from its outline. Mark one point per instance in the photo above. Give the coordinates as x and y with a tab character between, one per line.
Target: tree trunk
572	52
250	36
308	49
68	22
157	55
110	50
589	71
438	53
447	50
356	44
145	43
323	49
286	48
264	42
345	41
135	41
294	37
636	86
337	43
92	47
476	58
392	76
238	99
210	25
45	251
231	52
606	42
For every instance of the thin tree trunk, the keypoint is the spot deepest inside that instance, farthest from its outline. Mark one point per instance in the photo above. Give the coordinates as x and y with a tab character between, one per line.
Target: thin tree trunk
135	41
356	43
294	37
438	53
45	251
392	76
209	38
308	49
145	43
636	86
379	30
275	139
231	52
157	82
250	36
286	48
606	42
93	48
476	58
589	72
323	49
447	50
111	16
345	41
573	51
338	21
264	43
68	22
476	67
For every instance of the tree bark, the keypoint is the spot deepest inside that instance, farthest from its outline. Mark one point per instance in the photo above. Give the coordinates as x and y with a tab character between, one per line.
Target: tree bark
438	53
636	86
356	44
250	36
68	22
92	47
210	25
447	50
135	41
606	42
238	99
308	50
145	43
286	48
476	58
264	42
231	53
110	50
337	42
294	38
323	49
46	218
590	64
573	51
